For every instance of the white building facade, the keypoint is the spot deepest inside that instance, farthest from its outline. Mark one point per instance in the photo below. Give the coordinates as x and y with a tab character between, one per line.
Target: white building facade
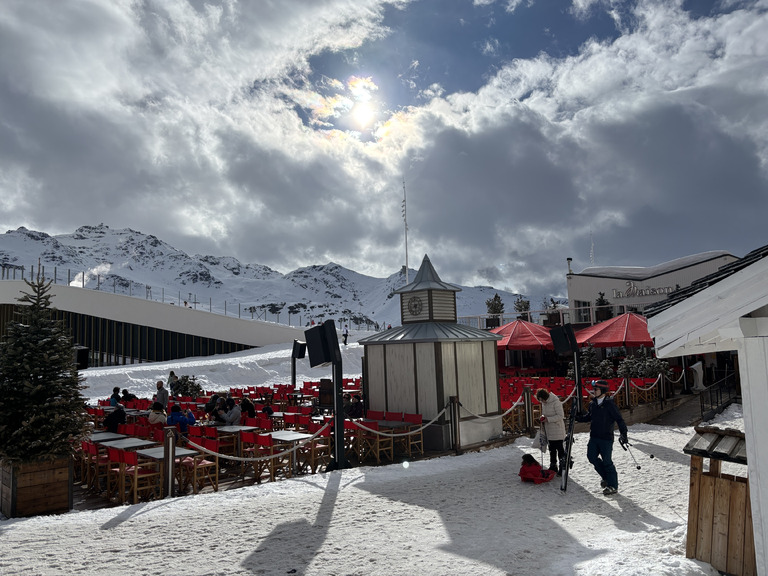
631	289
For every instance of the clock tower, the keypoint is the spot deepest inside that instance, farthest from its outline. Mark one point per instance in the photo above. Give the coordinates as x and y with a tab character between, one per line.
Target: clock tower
427	298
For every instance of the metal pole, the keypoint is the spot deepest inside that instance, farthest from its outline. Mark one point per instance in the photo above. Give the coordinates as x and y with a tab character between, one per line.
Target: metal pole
405	222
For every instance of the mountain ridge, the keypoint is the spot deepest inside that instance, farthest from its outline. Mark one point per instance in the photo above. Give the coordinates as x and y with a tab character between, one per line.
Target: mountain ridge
127	261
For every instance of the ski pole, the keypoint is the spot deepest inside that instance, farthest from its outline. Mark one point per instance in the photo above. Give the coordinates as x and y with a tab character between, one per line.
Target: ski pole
626	446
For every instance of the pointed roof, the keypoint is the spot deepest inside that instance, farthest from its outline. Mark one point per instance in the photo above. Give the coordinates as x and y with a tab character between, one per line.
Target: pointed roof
427	279
627	329
523	335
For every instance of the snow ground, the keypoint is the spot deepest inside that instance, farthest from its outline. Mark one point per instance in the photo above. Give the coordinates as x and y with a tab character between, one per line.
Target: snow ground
467	514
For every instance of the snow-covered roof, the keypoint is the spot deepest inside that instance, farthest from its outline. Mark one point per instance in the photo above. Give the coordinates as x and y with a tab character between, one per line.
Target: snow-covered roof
429	332
715	312
643	273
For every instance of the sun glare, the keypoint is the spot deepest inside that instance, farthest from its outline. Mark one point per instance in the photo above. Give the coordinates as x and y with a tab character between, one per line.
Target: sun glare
363	114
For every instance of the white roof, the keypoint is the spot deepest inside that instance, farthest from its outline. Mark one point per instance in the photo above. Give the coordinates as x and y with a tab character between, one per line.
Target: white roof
641	273
715	318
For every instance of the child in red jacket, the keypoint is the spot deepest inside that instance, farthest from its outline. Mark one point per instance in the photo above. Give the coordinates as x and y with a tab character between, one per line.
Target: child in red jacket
531	471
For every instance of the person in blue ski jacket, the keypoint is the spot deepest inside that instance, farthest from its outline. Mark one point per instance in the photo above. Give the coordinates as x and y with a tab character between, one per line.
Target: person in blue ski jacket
602	415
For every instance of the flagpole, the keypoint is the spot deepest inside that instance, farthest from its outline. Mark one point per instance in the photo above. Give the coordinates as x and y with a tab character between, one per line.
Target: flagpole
405	222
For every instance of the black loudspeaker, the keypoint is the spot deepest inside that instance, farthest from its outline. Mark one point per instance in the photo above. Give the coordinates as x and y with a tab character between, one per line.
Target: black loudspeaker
299	349
323	344
564	340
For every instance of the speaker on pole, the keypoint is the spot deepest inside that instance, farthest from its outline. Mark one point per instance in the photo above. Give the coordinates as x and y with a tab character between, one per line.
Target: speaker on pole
299	349
323	344
564	340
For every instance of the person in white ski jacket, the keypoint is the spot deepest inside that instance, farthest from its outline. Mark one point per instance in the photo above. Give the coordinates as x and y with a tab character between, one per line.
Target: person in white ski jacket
553	424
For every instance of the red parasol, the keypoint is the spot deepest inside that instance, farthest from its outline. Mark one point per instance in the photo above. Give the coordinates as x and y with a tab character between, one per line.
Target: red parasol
522	335
629	329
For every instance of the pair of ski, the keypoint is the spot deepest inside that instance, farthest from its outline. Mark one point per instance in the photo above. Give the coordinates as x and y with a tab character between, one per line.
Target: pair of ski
568	444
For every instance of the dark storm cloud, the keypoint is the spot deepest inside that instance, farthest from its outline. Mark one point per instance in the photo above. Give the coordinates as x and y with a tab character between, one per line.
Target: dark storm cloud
240	129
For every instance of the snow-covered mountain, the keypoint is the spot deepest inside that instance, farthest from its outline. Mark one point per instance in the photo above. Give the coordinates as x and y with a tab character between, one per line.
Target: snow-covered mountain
129	262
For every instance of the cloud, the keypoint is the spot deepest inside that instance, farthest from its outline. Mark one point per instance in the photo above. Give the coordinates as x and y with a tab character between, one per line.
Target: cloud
206	125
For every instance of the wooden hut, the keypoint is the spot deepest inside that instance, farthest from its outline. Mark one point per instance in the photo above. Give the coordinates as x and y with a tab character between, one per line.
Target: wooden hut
419	366
719	511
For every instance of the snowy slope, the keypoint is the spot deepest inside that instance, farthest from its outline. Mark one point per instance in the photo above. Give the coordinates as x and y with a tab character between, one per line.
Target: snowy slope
128	261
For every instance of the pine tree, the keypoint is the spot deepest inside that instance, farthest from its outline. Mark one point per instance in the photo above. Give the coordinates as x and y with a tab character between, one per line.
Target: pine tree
495	305
41	404
522	305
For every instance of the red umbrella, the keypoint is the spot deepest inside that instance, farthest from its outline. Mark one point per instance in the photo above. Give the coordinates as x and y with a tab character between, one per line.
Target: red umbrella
629	329
522	335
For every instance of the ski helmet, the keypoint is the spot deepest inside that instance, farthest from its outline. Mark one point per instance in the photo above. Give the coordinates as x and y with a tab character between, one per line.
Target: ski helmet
602	385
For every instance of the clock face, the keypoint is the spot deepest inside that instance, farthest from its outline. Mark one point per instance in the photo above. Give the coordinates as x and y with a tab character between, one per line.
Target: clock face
414	305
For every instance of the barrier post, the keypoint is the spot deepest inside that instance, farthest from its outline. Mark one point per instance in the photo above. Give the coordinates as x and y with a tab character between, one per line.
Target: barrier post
169	459
528	404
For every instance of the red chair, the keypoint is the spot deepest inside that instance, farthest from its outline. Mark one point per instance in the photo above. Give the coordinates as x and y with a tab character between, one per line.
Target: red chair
202	468
375	415
351	439
249	448
315	452
115	474
392	416
143	476
415	439
97	465
374	444
279	461
290	421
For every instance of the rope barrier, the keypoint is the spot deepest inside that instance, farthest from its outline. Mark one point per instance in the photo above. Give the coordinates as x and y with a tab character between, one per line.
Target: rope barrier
259	458
402	434
517	403
650	386
678	380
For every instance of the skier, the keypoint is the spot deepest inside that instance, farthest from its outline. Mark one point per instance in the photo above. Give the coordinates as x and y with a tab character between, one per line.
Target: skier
345	334
603	414
552	420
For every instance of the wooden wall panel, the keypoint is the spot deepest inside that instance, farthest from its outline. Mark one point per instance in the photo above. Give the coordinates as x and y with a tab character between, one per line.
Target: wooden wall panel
706	511
737	515
720	510
400	363
444	306
376	377
470	380
490	364
427	402
448	352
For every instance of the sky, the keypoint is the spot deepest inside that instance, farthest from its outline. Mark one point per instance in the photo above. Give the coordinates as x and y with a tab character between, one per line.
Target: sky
467	514
520	132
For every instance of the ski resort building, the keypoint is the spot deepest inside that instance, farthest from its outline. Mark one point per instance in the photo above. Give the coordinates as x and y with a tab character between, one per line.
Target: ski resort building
633	288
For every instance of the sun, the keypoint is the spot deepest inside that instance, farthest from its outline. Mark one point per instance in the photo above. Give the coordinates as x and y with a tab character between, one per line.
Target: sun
363	114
